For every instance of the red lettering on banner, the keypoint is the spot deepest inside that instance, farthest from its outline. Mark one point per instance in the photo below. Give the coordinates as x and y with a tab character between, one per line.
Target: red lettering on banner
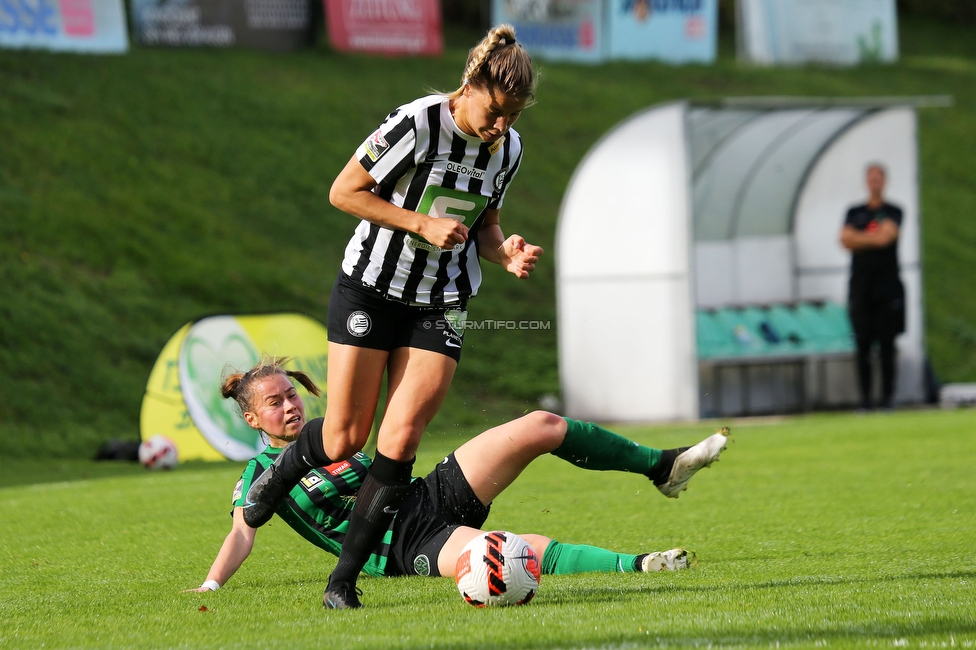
78	17
385	26
587	35
385	10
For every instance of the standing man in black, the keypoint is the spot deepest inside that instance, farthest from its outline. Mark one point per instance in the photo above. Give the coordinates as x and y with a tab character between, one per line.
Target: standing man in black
876	300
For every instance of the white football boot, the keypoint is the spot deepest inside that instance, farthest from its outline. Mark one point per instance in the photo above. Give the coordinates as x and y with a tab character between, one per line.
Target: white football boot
673	560
693	459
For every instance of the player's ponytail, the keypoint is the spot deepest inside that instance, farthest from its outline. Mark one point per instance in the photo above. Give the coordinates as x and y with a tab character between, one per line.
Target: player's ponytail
230	387
305	381
499	63
240	385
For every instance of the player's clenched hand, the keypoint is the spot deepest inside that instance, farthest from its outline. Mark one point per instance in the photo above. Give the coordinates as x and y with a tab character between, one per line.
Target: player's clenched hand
519	257
444	233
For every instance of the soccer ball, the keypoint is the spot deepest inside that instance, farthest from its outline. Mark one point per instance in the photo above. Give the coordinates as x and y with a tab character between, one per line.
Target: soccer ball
159	452
496	569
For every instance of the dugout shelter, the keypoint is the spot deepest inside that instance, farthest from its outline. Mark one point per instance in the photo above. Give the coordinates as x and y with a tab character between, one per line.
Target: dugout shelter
699	271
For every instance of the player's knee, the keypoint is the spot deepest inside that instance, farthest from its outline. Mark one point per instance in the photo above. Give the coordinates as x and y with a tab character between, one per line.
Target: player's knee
545	430
539	543
340	449
342	442
401	441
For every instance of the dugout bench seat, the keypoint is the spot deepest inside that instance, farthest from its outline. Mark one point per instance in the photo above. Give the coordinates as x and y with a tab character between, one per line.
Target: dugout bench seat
769	359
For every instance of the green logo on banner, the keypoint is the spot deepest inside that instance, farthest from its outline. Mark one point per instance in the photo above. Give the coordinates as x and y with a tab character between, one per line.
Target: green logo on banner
211	346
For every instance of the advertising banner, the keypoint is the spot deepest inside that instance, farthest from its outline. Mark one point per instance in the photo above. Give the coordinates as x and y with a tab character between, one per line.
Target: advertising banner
678	31
262	24
385	26
91	26
591	31
183	401
844	32
557	30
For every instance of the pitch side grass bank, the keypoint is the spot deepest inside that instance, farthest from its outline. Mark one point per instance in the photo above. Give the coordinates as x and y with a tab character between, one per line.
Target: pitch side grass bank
138	192
829	530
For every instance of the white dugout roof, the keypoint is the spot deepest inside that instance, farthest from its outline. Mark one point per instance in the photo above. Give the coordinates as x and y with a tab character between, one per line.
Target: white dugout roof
686	206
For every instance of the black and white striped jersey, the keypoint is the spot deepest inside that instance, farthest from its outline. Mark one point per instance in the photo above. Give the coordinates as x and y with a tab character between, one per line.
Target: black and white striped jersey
422	161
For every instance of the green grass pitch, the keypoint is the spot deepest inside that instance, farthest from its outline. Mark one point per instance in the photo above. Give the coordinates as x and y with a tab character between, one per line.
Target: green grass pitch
827	530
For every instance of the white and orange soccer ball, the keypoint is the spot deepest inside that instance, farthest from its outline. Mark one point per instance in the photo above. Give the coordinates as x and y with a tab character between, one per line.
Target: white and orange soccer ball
159	452
497	569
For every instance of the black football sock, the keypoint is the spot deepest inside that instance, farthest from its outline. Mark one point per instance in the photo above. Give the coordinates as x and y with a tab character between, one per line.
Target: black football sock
377	501
305	454
309	445
660	473
293	462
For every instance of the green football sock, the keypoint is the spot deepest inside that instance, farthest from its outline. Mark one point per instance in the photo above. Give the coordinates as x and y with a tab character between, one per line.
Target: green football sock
592	447
560	559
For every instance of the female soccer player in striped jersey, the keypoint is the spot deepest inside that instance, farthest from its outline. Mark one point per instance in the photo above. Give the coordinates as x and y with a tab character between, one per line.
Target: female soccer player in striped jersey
427	185
445	510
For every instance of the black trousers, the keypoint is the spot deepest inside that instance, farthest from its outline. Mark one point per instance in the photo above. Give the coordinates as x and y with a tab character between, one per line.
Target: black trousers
886	347
877	311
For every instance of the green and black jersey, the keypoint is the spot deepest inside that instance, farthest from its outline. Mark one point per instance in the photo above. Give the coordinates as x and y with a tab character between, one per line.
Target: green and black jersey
320	506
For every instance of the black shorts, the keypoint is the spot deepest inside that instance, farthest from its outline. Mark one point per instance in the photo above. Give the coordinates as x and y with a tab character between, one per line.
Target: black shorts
360	315
435	508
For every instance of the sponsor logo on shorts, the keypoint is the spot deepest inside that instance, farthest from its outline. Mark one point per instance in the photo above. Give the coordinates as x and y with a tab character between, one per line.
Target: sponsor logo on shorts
464	170
456	319
238	491
376	145
358	324
421	565
499	181
452	339
309	481
454	330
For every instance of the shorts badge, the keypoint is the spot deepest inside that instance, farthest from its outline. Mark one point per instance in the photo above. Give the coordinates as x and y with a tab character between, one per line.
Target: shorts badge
358	324
421	565
456	318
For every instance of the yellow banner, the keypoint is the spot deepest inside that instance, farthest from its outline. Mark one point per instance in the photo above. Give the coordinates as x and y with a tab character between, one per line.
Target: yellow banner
183	401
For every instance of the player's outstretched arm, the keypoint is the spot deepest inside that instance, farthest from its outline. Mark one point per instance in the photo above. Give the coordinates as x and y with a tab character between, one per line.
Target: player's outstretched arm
235	549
